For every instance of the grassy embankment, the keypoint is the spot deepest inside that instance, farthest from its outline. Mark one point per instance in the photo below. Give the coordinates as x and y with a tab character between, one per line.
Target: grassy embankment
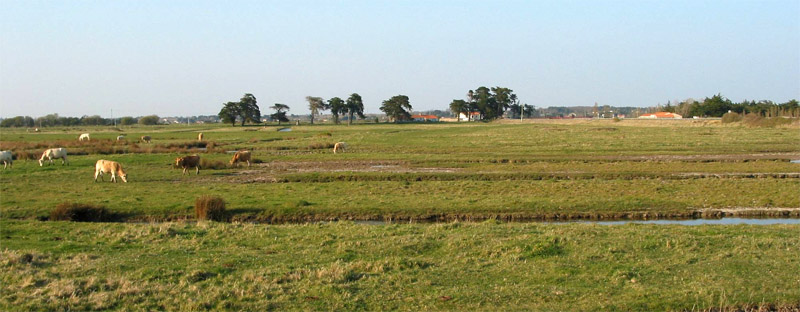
444	171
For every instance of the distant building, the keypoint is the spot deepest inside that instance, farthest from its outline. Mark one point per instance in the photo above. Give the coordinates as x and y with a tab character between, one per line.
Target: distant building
661	115
473	116
425	118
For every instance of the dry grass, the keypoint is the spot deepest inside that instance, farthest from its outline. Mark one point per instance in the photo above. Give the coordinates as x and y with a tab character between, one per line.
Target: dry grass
32	150
208	207
80	212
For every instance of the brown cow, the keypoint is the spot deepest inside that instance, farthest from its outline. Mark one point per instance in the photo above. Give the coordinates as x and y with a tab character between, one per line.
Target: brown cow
187	162
241	156
112	167
146	138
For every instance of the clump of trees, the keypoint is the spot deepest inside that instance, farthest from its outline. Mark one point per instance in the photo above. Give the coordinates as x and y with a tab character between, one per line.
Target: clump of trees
280	112
149	120
246	110
338	107
718	105
397	108
490	103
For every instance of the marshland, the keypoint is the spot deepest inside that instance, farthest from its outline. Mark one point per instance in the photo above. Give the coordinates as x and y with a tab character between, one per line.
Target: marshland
288	240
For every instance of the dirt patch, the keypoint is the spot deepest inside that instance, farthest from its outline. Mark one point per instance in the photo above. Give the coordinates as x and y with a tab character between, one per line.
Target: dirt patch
269	172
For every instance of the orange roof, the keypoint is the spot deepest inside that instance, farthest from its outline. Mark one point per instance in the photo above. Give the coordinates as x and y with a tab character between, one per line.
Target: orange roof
425	116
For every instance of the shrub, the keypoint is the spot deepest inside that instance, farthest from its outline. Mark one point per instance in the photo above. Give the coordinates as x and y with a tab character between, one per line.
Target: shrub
756	120
208	207
731	117
80	212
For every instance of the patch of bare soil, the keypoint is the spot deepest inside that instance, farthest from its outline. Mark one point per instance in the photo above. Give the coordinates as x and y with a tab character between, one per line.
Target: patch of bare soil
268	172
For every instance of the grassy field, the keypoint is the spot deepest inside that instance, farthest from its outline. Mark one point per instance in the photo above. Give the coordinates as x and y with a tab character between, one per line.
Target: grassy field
419	171
440	172
343	266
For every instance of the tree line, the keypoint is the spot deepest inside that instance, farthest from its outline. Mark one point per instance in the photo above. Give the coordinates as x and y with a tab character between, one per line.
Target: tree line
718	105
54	120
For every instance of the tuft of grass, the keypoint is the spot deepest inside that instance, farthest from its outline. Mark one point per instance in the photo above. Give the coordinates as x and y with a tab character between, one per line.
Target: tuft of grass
80	212
756	120
212	164
320	146
208	207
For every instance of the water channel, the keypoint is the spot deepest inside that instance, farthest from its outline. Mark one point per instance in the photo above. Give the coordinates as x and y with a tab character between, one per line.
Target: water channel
722	221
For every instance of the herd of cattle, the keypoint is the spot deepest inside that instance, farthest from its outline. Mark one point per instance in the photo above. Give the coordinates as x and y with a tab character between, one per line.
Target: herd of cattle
115	169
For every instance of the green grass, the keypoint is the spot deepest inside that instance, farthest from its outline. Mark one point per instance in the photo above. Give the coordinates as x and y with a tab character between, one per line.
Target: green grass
420	171
344	266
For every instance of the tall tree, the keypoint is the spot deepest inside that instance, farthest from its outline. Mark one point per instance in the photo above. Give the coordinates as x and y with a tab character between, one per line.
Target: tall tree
337	107
458	107
229	112
502	100
280	112
315	105
248	109
354	105
397	108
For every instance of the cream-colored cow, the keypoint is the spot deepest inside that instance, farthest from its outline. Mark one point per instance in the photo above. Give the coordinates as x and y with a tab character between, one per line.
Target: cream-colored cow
339	146
84	137
56	153
200	136
112	167
241	156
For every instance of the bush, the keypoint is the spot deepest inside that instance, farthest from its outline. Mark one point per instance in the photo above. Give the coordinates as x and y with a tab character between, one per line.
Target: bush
731	117
756	120
208	207
80	212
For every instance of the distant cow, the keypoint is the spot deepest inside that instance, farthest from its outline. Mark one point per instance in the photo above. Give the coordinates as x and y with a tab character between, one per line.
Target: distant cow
187	162
84	137
146	138
6	158
241	156
120	137
200	136
339	146
54	153
112	167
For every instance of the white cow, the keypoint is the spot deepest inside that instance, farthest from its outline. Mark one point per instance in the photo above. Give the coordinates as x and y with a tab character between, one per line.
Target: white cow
84	137
120	137
56	153
112	167
6	158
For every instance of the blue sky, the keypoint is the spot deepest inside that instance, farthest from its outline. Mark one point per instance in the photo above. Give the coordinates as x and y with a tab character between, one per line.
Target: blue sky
188	57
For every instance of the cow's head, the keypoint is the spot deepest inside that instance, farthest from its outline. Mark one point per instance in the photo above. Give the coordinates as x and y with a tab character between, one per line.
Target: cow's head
179	162
124	176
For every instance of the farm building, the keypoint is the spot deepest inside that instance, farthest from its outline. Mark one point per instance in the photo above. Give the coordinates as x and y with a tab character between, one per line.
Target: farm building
425	118
661	115
473	116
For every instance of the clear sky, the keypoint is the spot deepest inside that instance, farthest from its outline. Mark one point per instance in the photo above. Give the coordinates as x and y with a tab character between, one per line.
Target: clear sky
188	57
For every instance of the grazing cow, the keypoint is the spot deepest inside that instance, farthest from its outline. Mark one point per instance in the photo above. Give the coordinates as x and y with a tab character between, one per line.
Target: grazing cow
200	136
339	146
6	158
241	156
187	162
84	137
120	137
112	167
56	153
146	138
